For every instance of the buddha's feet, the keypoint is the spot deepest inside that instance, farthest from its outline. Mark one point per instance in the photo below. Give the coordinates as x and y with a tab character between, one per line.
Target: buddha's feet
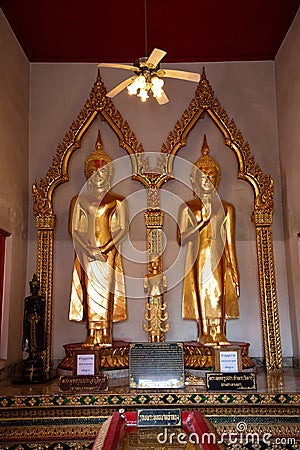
89	342
103	338
221	339
98	338
217	339
207	340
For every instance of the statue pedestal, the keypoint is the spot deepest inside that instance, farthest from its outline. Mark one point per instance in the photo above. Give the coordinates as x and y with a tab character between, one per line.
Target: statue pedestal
33	370
196	356
114	357
199	356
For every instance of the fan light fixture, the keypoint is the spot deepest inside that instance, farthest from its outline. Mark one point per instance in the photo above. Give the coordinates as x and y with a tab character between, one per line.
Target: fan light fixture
147	81
144	84
148	77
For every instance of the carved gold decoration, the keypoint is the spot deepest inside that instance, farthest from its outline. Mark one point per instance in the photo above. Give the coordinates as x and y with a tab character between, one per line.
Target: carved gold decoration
202	357
42	192
38	420
57	174
267	286
44	270
81	430
155	283
198	357
153	198
193	380
156	316
154	219
203	103
117	356
153	178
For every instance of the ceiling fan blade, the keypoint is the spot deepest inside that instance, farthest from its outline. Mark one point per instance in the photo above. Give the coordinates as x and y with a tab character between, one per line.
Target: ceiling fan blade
162	99
182	75
155	57
116	90
119	66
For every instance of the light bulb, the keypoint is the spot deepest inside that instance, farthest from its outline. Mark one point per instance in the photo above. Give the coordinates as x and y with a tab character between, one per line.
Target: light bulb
157	82
132	88
141	82
156	87
143	94
138	83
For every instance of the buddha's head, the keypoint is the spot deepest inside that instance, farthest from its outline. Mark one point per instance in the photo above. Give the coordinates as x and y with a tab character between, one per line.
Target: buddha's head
97	165
208	177
34	284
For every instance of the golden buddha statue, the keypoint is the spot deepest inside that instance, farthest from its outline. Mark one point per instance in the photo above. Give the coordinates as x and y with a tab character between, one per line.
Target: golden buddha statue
207	226
98	223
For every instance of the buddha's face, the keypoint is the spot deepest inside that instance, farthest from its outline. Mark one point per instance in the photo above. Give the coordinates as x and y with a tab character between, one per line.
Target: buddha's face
100	175
34	287
206	179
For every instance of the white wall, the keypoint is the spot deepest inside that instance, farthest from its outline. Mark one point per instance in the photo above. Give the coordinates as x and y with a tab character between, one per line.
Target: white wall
14	135
247	93
287	70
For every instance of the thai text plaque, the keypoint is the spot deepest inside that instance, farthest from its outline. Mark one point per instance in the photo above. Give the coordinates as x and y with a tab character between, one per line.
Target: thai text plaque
240	381
159	417
156	365
83	384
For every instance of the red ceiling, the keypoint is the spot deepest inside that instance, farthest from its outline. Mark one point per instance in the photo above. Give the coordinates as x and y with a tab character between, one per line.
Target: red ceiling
114	31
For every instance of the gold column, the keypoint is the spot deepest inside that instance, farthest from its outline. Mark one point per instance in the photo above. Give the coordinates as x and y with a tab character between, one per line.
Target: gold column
267	286
155	283
44	270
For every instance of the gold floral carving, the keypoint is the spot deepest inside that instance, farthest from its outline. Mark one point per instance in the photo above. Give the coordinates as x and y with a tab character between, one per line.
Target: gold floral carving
204	102
249	170
97	103
42	192
44	270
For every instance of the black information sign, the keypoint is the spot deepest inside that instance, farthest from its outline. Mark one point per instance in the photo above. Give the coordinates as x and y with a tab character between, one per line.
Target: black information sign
156	365
83	384
238	381
158	417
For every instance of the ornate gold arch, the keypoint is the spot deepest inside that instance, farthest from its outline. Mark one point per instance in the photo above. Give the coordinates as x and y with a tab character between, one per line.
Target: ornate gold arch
97	103
203	102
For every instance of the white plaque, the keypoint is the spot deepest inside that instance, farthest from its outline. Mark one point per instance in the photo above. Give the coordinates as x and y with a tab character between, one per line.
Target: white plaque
229	361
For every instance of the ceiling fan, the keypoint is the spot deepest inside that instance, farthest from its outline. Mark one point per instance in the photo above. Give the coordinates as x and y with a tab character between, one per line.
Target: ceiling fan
148	77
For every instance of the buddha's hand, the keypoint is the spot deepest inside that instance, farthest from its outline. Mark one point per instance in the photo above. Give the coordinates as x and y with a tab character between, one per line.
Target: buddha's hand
97	254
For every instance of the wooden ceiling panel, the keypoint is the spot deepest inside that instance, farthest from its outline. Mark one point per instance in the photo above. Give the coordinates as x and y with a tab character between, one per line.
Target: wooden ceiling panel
195	30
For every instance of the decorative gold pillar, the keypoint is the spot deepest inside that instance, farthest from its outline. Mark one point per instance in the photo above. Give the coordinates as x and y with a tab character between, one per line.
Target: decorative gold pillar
44	270
267	287
155	283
